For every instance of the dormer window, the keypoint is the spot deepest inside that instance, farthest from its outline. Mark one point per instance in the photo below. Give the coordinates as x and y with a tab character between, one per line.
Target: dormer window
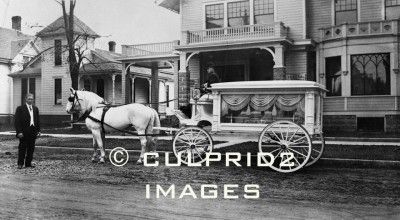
57	53
345	11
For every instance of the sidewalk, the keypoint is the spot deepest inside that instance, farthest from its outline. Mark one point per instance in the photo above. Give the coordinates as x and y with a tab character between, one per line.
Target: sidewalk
250	137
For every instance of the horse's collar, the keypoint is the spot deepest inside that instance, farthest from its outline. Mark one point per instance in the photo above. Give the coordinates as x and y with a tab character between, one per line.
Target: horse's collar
85	115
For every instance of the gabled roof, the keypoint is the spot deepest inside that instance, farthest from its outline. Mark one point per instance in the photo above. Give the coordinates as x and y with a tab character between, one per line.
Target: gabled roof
32	68
58	27
8	49
102	61
17	46
173	5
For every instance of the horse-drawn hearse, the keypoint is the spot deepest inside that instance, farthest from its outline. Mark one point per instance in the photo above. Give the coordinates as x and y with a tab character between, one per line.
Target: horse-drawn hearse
287	113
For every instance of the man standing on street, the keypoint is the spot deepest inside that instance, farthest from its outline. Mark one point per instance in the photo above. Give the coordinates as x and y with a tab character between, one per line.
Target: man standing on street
27	126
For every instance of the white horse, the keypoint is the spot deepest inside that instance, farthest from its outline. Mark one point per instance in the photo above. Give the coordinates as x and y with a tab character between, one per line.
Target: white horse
141	117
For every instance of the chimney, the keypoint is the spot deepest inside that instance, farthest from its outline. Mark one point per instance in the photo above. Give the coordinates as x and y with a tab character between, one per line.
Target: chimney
111	46
16	23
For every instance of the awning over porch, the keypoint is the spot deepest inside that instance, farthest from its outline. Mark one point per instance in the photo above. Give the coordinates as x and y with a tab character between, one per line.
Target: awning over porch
158	56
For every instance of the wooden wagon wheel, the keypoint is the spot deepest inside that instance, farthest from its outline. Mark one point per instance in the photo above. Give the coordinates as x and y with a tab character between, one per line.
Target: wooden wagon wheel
288	142
193	143
318	145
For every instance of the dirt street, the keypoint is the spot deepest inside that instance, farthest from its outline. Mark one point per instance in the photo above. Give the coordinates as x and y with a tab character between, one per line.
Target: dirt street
43	198
66	185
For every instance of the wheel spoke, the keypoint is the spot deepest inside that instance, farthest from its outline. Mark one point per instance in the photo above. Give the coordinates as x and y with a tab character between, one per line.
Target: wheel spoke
316	150
296	141
297	152
182	141
272	152
275	135
294	134
198	134
273	141
270	145
198	153
202	142
280	131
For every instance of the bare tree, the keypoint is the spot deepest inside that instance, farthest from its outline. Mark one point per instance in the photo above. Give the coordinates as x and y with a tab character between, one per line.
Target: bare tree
74	63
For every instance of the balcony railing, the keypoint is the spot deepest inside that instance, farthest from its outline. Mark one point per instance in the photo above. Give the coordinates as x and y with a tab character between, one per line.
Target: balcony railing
360	29
149	49
258	31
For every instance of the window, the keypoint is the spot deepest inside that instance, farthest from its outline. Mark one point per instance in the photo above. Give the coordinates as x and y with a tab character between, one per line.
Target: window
215	16
392	9
57	92
333	76
345	11
370	74
28	85
263	11
238	13
57	52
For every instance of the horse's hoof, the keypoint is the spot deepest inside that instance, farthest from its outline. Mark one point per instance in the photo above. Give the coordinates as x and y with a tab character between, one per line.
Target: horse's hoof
101	161
139	162
94	161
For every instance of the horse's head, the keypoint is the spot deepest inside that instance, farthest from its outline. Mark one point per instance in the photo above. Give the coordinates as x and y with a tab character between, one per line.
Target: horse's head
74	104
82	101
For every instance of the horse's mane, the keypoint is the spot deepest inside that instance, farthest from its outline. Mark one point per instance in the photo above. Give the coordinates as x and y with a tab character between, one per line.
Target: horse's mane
91	100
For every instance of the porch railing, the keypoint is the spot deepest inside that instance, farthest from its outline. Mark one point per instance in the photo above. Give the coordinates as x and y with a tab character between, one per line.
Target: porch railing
149	49
273	30
360	29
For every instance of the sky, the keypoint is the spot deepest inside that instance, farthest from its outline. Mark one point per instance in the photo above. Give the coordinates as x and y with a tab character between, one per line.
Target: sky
122	21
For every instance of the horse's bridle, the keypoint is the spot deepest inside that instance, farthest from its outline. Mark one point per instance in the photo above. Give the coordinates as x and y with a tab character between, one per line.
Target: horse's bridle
72	99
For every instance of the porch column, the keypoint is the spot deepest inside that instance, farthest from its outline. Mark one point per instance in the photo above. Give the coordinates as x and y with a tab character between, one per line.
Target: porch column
176	84
279	68
113	88
183	81
154	87
149	80
133	88
123	83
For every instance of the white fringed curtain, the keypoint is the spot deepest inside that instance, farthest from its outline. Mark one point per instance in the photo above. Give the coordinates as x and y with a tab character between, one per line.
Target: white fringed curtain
236	102
289	102
262	102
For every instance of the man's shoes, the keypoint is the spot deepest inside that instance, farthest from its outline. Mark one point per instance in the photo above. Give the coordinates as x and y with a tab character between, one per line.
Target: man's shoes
19	167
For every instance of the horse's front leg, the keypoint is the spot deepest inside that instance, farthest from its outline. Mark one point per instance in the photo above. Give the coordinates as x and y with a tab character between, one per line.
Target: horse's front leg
143	143
100	143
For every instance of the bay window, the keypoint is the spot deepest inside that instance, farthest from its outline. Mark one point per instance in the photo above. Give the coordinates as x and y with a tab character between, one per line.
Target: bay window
370	74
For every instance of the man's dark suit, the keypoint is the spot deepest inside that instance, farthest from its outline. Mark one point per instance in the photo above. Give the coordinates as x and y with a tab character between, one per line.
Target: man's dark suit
22	125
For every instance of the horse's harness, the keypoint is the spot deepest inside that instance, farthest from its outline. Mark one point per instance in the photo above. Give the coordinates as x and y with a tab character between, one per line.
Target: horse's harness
106	107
